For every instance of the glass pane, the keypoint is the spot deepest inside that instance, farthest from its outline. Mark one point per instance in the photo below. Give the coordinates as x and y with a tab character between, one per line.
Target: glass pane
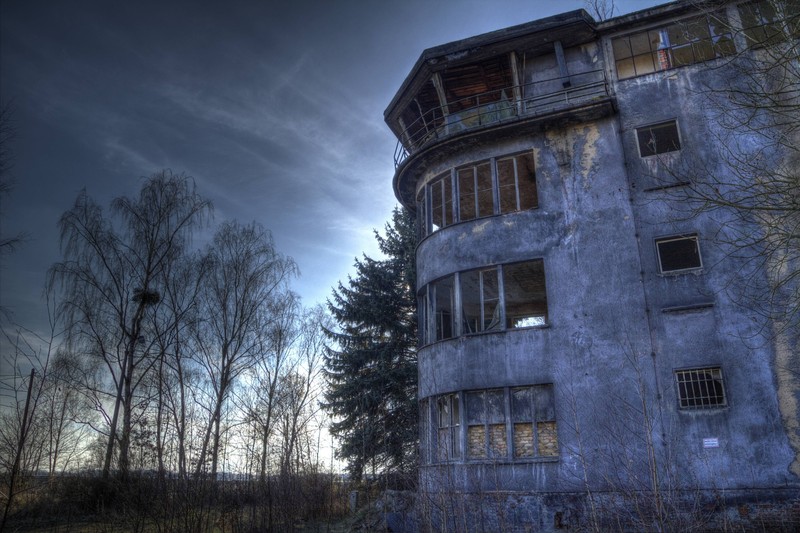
644	64
466	193
443	308
526	179
682	55
437	213
485	197
507	183
471	302
544	402
476	413
491	300
525	294
622	48
640	44
495	406
625	69
521	401
703	50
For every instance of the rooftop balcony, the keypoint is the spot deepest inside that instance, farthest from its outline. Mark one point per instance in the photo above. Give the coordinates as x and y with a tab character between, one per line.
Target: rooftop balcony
499	107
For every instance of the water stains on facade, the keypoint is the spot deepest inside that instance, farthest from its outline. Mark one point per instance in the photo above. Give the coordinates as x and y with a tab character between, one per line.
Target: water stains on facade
580	347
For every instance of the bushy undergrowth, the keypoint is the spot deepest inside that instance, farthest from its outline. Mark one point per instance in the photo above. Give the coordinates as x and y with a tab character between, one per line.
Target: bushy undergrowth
148	503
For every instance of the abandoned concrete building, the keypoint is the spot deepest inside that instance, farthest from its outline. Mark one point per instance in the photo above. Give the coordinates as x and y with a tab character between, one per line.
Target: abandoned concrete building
584	353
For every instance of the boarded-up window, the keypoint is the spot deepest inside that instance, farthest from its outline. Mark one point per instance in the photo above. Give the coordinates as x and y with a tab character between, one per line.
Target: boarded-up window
534	407
486	424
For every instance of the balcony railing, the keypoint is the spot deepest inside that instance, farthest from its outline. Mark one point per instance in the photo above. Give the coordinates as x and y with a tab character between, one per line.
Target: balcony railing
498	106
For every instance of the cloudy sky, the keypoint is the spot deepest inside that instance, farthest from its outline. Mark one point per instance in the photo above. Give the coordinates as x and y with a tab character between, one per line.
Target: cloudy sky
274	107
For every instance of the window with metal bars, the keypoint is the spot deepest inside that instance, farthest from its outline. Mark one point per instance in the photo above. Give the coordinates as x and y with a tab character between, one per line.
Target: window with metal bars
700	388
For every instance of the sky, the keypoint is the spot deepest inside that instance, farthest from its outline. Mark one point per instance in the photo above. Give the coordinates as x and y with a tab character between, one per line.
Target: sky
274	107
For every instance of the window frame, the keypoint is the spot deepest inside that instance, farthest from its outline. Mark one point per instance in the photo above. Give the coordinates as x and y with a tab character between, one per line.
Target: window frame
673	238
658	125
541	410
700	400
450	181
660	53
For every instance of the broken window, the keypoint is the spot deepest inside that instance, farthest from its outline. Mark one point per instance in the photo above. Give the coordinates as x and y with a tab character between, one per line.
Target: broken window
480	301
448	438
763	21
525	294
486	424
441	191
534	422
475	191
442	297
492	299
658	139
682	43
676	254
516	181
700	388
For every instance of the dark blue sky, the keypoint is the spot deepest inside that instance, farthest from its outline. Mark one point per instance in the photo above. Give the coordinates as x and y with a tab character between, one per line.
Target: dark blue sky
274	107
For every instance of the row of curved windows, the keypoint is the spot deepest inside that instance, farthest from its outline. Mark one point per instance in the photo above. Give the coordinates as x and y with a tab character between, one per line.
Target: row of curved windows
492	187
506	424
489	299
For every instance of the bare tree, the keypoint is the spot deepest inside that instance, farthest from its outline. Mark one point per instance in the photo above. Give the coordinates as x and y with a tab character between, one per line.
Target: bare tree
750	188
246	283
111	276
600	9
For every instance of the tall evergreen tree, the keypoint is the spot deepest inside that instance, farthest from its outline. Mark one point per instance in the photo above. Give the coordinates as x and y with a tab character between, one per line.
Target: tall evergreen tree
372	376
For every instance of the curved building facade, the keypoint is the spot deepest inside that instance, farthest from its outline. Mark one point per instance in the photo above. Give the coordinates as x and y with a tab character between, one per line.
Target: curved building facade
580	348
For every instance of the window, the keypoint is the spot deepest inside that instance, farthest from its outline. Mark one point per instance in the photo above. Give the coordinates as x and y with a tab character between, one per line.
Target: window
441	191
508	424
763	21
681	43
658	139
492	299
475	191
478	194
525	294
700	388
442	296
534	422
480	301
449	437
486	424
516	181
677	254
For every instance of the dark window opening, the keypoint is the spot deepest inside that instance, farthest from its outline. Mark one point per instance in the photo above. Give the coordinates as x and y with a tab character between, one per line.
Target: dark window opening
525	294
475	191
700	388
676	254
480	301
658	139
448	438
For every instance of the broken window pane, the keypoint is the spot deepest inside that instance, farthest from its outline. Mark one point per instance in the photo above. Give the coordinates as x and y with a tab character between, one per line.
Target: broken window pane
442	296
658	139
525	294
678	254
480	301
442	202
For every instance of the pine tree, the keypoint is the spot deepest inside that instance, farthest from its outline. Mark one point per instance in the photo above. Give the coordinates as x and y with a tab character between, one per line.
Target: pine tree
372	376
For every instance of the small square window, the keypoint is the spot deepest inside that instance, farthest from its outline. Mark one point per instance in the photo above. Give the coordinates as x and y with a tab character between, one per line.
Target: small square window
700	388
677	254
658	139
